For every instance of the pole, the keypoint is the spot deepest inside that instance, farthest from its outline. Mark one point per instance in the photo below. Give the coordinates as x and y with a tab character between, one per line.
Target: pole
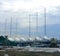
45	21
36	24
16	28
10	27
29	27
5	32
5	26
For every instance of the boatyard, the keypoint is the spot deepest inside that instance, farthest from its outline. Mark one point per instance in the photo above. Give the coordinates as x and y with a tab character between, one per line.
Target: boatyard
30	28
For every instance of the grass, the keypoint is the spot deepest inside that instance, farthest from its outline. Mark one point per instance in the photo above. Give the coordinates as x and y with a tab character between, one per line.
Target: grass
26	53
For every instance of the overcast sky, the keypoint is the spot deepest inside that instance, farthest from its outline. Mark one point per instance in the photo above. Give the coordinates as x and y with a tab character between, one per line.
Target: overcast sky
21	9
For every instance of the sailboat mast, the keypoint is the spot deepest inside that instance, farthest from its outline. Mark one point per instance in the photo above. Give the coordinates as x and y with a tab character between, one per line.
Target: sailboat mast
29	27
5	26
45	21
11	27
16	28
36	24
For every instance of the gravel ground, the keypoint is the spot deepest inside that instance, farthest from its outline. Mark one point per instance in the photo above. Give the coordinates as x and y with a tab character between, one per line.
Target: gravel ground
26	53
